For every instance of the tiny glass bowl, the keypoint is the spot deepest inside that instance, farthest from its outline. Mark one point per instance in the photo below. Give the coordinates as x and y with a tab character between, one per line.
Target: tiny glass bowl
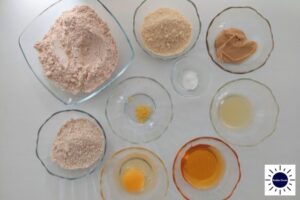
110	184
226	185
46	136
255	26
190	64
121	107
186	7
36	30
264	112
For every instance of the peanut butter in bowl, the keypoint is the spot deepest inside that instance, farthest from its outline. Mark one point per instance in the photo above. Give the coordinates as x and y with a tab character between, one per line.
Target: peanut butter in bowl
232	46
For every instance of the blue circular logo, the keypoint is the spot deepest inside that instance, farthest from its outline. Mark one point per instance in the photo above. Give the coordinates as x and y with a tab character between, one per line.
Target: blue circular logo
280	180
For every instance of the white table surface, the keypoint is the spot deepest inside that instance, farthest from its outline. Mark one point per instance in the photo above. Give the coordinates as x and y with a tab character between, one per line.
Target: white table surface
25	104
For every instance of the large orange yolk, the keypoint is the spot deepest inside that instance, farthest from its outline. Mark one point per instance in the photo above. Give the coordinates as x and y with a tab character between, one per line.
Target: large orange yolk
133	180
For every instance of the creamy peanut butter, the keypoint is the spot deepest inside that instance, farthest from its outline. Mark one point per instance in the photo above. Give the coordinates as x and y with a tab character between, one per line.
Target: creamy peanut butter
232	46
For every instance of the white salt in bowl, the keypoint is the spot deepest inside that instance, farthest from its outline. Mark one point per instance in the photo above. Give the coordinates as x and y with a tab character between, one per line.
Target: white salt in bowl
200	70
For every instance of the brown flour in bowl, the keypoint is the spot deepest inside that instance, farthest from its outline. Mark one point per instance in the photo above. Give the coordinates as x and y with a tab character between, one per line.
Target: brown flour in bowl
79	144
78	53
166	32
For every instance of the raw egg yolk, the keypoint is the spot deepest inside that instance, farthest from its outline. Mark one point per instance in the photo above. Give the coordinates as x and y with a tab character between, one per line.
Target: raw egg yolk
133	180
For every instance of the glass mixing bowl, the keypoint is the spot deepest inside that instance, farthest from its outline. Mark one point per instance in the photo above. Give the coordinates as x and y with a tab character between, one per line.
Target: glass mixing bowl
111	188
186	7
227	184
121	105
36	30
191	64
46	136
264	112
255	26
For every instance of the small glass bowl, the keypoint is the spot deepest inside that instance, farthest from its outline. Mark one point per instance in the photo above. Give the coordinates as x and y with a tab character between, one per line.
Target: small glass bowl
265	111
255	26
190	64
36	30
186	7
46	136
120	109
227	184
110	187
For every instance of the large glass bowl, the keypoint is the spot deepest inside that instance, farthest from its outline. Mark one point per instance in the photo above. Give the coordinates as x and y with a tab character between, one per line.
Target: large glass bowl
36	30
46	136
110	186
255	26
264	112
186	7
126	96
226	186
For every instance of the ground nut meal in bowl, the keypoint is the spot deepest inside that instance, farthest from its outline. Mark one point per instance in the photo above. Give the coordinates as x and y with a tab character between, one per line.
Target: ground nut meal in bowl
79	144
78	53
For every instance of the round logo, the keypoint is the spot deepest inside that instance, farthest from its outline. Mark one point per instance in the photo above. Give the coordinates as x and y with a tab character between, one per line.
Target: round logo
280	180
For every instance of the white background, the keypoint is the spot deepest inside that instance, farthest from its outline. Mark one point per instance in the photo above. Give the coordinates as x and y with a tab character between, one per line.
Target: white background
25	104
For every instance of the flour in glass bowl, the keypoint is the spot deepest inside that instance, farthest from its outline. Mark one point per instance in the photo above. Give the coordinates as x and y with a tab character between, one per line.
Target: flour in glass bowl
79	52
79	144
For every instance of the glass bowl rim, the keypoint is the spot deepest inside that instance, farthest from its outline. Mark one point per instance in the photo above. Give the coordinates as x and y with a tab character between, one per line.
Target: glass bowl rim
171	105
185	51
98	162
261	85
115	154
207	138
101	87
260	15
